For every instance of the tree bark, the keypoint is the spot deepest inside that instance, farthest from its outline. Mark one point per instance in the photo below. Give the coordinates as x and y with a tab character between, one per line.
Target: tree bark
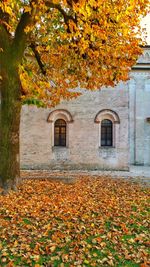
11	53
9	127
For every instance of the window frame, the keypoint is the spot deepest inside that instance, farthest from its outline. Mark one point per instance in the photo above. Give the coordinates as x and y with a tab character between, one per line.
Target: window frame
106	127
62	136
111	115
67	117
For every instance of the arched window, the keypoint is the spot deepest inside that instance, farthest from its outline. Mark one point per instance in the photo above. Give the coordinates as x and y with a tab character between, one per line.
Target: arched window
60	120
60	133
106	133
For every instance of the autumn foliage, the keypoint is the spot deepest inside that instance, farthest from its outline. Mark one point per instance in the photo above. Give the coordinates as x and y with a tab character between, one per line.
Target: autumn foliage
71	43
96	221
51	48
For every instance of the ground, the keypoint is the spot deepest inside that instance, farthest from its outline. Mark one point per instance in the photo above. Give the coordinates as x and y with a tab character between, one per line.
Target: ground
84	221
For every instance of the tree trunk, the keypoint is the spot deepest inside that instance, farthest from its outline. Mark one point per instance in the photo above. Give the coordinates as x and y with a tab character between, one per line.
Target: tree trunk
12	49
9	127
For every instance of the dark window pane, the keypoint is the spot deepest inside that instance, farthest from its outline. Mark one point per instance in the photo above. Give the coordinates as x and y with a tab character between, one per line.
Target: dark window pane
60	123
106	122
56	140
102	142
108	142
103	131
56	130
60	133
63	130
106	133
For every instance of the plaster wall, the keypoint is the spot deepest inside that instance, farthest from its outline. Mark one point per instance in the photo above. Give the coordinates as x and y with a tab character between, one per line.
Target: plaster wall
139	111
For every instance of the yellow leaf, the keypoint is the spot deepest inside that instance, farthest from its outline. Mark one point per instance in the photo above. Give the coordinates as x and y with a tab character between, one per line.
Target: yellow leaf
52	249
27	9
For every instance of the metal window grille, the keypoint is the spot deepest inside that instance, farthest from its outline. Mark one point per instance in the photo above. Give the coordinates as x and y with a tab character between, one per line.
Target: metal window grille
60	133
106	133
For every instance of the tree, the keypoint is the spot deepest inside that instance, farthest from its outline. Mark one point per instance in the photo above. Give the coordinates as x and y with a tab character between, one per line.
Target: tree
48	47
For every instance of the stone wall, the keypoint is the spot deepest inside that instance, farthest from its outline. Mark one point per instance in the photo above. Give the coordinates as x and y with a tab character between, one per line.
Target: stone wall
83	149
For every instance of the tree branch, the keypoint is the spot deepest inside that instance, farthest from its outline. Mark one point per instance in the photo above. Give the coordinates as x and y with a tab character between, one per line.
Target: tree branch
4	38
4	34
66	16
38	58
20	38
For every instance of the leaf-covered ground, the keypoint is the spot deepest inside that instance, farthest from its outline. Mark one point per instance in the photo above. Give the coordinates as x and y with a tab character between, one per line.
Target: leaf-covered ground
93	222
